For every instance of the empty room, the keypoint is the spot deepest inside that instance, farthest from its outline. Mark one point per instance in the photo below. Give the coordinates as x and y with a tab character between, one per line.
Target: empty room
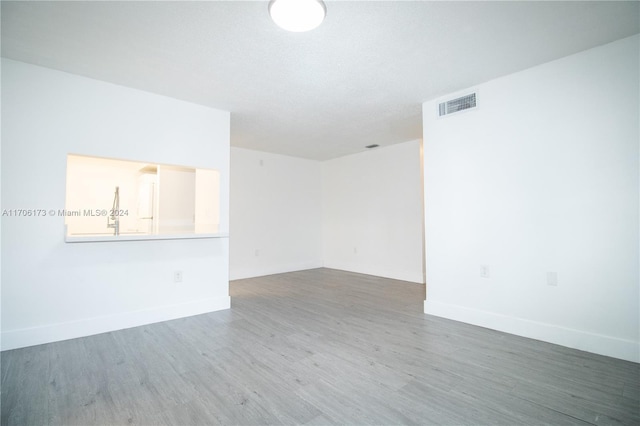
313	212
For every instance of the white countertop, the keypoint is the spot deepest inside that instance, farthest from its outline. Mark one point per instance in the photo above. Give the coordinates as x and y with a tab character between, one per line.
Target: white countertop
95	238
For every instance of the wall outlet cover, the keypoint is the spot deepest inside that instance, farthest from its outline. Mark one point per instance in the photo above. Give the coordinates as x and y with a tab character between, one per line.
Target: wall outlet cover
484	271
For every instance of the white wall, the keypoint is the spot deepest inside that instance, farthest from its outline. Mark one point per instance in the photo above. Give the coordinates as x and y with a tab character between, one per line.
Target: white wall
276	214
1	273
207	208
52	290
176	200
542	177
372	204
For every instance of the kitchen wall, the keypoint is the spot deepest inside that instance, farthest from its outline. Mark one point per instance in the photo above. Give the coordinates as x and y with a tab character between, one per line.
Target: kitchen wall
52	290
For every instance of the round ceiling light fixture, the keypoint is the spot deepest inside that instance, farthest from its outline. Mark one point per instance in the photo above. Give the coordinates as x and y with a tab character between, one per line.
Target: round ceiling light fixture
297	15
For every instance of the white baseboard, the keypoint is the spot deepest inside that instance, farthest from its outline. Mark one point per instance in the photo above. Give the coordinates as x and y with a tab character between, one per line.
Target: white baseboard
271	270
21	338
591	342
235	274
395	275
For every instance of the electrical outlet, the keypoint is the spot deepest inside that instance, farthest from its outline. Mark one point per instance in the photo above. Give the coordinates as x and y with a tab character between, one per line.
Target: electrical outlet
552	279
177	277
484	271
257	252
355	250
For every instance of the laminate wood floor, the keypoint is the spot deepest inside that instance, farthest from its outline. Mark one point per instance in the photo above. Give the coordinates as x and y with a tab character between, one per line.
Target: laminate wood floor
315	347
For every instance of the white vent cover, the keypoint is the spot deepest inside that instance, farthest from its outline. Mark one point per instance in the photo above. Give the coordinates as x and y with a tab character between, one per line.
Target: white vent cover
456	105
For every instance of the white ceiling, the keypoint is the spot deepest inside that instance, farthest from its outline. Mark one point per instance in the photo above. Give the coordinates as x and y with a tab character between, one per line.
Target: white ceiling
358	79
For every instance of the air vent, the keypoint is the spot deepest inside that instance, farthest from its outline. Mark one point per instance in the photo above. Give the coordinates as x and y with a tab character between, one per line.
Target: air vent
456	105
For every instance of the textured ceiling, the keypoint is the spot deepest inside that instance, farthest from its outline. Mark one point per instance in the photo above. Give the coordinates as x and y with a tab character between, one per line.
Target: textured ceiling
358	79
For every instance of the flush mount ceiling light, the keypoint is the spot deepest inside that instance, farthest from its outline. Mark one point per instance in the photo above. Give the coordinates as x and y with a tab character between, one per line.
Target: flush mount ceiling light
297	15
